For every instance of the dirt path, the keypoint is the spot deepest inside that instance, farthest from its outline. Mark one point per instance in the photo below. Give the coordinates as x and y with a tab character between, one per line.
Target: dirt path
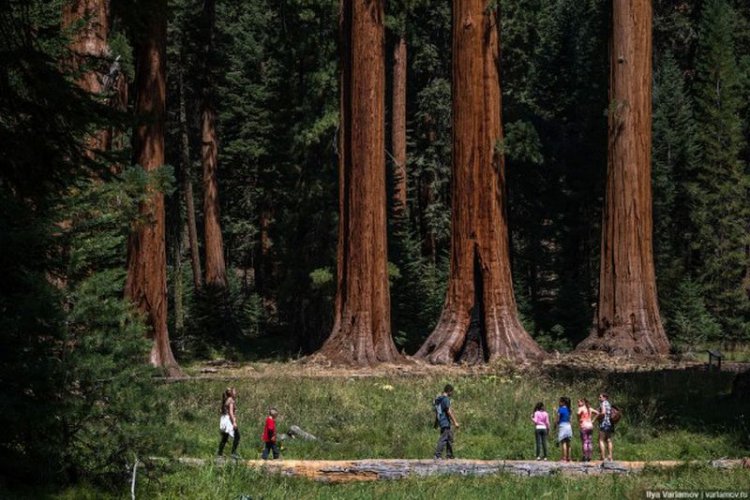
339	471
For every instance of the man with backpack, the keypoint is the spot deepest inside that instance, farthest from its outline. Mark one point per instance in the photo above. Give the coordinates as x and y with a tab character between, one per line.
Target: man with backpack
444	419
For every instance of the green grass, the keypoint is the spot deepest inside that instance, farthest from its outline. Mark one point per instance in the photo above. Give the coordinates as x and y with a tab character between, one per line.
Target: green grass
667	415
233	482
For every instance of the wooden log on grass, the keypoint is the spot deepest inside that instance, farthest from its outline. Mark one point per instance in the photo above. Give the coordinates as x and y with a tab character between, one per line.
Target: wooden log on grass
341	471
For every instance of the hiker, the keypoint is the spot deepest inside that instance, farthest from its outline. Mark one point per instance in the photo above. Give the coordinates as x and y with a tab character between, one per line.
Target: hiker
269	435
586	424
606	427
444	418
564	430
541	430
228	422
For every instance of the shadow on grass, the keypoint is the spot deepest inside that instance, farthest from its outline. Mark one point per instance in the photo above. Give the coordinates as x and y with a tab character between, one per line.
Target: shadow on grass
692	399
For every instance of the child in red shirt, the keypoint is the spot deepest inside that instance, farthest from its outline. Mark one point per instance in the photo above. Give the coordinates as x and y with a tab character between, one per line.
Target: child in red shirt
269	435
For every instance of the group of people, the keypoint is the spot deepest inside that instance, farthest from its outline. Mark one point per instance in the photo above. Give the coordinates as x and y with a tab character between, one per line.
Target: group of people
586	416
446	421
228	427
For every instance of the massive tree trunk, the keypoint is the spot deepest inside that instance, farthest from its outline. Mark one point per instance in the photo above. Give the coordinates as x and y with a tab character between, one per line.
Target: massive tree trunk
361	333
479	320
627	320
398	129
187	187
146	284
89	44
216	274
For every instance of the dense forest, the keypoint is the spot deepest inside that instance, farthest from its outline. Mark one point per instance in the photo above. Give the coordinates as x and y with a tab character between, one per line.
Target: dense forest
362	180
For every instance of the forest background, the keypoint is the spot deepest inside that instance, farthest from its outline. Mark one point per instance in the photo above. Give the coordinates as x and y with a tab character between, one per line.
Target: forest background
69	338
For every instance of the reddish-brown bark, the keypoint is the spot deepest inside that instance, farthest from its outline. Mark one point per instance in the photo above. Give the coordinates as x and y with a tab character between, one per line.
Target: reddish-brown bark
146	284
479	319
362	333
216	272
627	320
187	187
398	128
88	21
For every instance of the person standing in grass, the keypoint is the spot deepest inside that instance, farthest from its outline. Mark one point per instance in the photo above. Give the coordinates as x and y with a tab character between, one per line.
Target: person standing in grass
606	426
228	422
564	430
585	416
269	435
541	430
444	419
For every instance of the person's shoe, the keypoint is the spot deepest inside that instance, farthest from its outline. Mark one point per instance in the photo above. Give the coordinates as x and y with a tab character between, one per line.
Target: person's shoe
538	458
236	456
545	459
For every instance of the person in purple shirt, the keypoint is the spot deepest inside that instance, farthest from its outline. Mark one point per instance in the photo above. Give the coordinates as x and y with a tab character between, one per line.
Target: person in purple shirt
541	429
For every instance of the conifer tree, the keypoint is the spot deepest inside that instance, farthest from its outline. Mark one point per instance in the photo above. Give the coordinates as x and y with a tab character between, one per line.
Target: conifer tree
721	214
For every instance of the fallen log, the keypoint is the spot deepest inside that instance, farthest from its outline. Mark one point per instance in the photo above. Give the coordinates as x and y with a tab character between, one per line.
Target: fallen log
295	432
341	471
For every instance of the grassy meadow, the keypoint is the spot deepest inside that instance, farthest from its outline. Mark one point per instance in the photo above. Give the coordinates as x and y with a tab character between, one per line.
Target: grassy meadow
680	415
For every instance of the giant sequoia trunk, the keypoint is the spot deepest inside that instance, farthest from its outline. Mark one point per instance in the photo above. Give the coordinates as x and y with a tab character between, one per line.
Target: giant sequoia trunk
88	44
479	320
627	320
362	333
146	284
216	274
398	129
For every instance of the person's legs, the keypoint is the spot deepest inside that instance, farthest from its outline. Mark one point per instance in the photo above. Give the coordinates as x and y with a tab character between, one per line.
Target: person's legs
275	449
586	438
443	442
449	445
236	441
601	445
266	450
222	443
538	439
609	445
544	443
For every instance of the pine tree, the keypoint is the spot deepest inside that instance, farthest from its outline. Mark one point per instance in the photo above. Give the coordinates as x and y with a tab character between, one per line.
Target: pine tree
721	215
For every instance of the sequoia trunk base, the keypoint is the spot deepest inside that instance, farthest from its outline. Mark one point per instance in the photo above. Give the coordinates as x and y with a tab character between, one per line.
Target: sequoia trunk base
480	282
628	321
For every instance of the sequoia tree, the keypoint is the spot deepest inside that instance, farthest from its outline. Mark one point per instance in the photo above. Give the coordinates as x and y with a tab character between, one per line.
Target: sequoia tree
479	320
361	333
88	21
146	284
398	127
216	274
627	319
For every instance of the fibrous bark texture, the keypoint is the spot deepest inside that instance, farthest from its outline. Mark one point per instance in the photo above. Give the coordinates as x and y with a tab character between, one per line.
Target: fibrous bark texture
187	187
362	333
627	320
479	321
88	21
216	274
146	284
398	129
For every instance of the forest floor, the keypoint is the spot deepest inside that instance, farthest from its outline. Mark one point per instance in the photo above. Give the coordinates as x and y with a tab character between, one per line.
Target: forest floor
673	410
